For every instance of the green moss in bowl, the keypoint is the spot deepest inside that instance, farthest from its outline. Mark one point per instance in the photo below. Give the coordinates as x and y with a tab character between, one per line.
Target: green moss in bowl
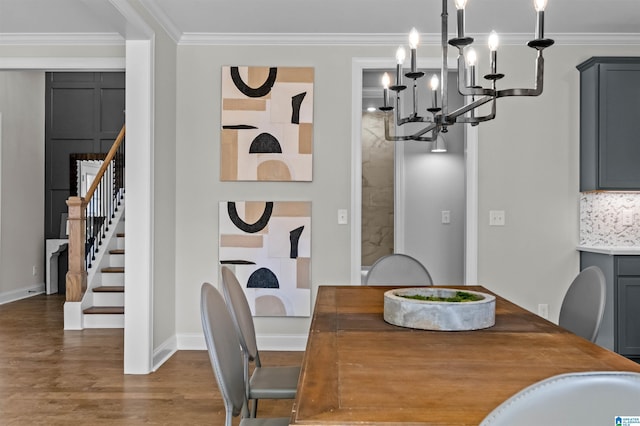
460	296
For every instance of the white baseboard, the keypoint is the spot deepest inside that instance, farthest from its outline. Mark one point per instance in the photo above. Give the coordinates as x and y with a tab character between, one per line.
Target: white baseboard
21	293
163	352
266	342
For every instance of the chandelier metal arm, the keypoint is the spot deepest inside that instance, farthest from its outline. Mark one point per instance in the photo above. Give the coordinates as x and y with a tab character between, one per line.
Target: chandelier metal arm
415	137
456	116
537	91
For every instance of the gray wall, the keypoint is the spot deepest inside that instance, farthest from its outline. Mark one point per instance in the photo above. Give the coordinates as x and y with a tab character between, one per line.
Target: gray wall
22	184
528	161
434	182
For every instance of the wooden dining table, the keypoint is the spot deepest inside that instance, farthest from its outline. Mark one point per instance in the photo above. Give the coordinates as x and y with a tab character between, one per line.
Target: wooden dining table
358	369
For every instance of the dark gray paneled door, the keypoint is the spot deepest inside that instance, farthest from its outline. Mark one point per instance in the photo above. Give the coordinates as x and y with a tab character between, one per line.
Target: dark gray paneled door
84	113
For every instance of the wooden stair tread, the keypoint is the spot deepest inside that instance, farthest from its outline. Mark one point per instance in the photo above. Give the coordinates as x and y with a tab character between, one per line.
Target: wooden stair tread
120	234
104	310
109	289
113	270
116	251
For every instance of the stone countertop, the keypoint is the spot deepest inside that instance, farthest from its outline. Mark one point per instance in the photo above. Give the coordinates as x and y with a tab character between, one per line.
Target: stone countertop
612	250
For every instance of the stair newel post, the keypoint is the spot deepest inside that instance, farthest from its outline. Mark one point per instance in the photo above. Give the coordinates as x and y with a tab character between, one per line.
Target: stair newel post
77	274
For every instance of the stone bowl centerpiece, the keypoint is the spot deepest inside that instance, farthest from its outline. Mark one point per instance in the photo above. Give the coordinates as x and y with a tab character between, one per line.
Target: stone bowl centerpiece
441	309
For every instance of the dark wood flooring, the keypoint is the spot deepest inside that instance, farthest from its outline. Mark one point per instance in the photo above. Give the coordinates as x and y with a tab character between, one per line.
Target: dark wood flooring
49	376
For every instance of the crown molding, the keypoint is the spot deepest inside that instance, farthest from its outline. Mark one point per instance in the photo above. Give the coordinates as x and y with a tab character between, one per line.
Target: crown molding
161	18
299	39
62	39
359	39
62	64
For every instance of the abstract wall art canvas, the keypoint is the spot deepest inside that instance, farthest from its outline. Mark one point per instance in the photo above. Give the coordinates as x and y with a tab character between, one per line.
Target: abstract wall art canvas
267	124
268	246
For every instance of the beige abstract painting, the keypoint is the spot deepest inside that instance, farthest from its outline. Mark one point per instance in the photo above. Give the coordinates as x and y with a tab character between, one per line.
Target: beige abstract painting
267	244
267	124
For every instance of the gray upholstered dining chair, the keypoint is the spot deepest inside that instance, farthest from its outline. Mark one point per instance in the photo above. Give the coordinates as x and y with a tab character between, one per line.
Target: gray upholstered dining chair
225	355
266	382
398	269
583	305
587	399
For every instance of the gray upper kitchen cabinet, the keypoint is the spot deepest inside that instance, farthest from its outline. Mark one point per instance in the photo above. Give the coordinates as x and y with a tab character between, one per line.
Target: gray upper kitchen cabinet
610	123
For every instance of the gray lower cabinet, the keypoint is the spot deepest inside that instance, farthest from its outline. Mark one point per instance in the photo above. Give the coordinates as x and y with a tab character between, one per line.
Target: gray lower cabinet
620	330
609	123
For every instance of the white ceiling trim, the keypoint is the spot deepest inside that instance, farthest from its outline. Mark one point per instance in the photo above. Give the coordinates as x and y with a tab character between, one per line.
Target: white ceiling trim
73	39
306	39
62	64
161	18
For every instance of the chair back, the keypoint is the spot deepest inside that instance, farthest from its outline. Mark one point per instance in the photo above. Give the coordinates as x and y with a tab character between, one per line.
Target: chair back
585	399
398	269
583	305
241	313
224	350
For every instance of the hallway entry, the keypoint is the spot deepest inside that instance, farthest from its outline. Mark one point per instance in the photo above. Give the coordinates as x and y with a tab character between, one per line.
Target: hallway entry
84	113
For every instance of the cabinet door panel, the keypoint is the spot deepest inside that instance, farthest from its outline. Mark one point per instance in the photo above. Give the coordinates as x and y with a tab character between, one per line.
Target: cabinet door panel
629	316
619	147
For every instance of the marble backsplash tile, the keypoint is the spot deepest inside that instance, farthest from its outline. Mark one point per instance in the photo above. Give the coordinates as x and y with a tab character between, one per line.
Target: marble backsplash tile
603	215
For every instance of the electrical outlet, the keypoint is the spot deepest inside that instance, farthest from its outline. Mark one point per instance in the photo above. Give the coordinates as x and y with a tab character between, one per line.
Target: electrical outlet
34	270
543	310
496	218
627	217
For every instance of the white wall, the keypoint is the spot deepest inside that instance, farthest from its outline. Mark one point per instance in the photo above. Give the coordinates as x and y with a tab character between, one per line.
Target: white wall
434	182
529	167
22	184
199	189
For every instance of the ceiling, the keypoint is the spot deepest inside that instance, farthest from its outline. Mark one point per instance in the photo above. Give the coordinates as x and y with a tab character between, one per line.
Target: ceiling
363	17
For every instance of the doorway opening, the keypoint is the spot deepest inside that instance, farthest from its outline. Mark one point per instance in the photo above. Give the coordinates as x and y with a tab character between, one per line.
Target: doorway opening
433	212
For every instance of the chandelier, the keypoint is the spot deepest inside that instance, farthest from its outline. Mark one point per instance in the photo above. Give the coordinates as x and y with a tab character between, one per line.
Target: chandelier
440	117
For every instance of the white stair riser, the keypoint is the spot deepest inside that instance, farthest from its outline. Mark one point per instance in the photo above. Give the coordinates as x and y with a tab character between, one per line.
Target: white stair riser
103	320
108	299
120	242
112	278
116	260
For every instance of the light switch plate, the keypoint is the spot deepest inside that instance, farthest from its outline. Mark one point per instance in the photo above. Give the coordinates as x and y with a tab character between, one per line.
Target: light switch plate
342	217
496	218
446	217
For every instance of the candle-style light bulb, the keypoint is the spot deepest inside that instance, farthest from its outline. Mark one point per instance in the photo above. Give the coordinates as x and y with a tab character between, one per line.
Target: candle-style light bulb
493	47
414	39
433	84
460	5
386	80
494	41
539	6
401	55
472	61
471	57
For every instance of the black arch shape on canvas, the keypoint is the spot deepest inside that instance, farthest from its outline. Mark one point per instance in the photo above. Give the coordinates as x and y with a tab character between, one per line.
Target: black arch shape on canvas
258	92
296	102
263	278
250	228
265	143
239	127
294	238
